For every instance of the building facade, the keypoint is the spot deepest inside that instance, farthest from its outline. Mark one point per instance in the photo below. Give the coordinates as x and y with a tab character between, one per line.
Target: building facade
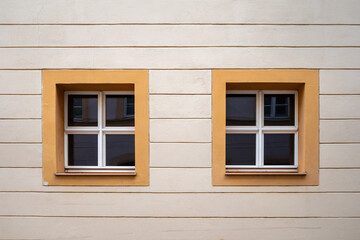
179	59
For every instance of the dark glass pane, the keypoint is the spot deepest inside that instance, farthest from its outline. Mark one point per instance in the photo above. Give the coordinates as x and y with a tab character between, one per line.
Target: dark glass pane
279	149
240	109
279	110
120	110
240	149
82	110
83	150
120	150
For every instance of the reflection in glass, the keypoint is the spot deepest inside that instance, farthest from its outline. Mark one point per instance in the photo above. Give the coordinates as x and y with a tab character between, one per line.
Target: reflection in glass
120	110
279	149
240	149
82	150
120	150
82	110
279	110
240	109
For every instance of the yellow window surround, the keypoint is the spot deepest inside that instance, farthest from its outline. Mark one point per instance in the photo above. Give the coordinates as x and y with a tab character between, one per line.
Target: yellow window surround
55	82
306	82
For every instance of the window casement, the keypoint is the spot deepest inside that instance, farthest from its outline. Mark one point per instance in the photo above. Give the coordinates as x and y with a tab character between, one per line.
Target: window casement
261	131
265	127
95	127
99	131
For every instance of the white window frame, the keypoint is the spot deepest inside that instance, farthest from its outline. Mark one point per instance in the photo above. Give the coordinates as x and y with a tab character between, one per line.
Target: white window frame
101	130
259	129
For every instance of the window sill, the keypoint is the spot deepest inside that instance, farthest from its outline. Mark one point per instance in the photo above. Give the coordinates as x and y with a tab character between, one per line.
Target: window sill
266	173
96	174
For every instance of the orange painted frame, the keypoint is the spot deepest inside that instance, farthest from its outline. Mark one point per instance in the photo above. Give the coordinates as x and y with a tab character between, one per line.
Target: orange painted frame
55	82
307	84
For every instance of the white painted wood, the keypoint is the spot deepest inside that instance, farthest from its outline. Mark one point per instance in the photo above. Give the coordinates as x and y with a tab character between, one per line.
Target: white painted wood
181	205
340	106
160	11
20	82
21	155
180	106
180	154
182	130
339	131
20	130
17	106
189	58
339	155
178	35
180	81
179	228
339	82
181	180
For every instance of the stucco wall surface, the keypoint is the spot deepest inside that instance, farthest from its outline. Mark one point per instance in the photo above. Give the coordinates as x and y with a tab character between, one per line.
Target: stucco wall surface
179	42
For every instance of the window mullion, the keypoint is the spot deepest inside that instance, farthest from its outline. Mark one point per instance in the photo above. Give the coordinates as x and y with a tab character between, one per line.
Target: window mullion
259	160
100	126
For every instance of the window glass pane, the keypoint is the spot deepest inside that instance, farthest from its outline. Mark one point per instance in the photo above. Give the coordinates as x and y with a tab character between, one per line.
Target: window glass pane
240	149
120	110
241	109
82	150
279	109
82	110
120	150
279	149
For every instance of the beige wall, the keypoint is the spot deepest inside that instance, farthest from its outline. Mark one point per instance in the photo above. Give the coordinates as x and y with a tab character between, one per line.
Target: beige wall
179	42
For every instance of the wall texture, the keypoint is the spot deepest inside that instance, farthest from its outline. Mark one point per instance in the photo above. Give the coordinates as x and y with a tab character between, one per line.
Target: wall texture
179	42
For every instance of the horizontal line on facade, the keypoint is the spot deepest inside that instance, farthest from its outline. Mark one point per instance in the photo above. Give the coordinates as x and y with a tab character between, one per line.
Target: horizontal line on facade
339	142
340	168
180	24
342	119
19	118
182	217
187	167
176	142
181	94
20	94
339	94
175	167
169	68
179	192
180	118
194	46
20	142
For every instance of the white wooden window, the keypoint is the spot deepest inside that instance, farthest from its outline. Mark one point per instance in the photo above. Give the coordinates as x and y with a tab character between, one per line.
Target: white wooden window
261	131
99	131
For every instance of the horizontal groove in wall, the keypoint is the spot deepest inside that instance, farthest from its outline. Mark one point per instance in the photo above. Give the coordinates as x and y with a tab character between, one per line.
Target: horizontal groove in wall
177	142
20	94
176	193
175	94
20	142
176	167
342	119
339	94
153	69
192	46
181	118
195	217
20	118
179	24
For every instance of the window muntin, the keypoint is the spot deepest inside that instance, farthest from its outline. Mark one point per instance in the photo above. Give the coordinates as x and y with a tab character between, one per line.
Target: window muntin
282	135
109	155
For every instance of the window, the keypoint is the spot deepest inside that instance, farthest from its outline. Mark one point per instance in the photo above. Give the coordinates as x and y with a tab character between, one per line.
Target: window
261	131
99	132
265	127
95	127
